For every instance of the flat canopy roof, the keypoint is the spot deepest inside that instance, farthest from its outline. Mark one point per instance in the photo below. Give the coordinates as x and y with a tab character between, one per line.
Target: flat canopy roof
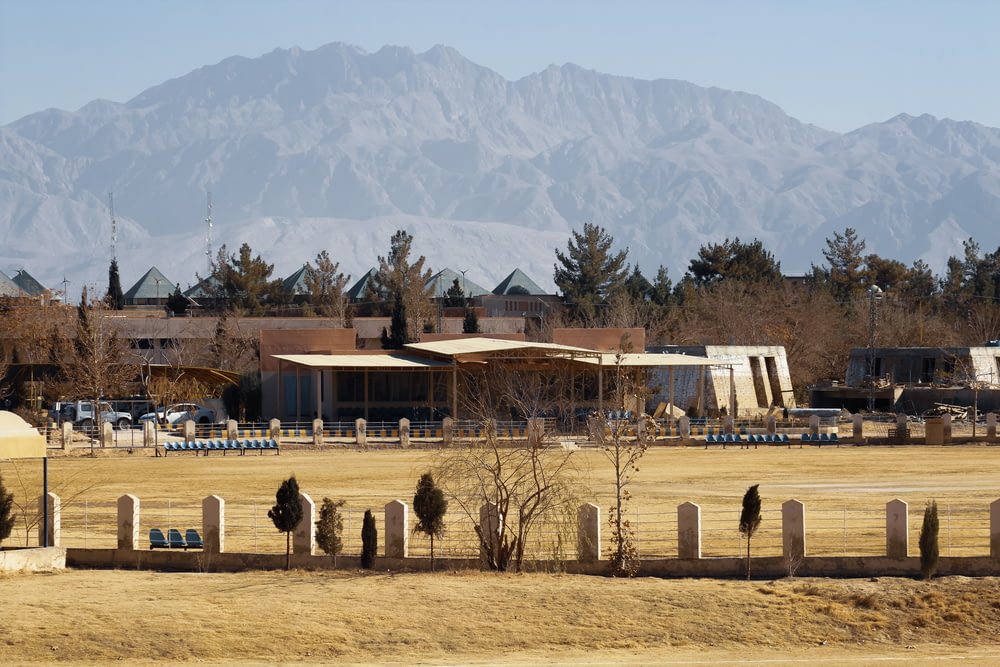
473	346
361	361
641	359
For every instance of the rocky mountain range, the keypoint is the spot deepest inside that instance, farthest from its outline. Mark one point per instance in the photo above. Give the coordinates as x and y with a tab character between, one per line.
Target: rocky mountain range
336	148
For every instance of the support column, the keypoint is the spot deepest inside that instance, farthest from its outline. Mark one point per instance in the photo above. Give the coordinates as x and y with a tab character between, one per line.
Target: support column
397	529
793	531
897	544
128	522
588	533
53	505
688	531
213	524
304	537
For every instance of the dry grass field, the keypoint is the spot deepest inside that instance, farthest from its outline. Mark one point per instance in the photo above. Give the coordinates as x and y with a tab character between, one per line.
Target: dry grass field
92	617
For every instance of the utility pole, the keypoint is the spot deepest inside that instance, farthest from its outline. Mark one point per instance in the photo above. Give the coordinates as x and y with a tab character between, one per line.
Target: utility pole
208	235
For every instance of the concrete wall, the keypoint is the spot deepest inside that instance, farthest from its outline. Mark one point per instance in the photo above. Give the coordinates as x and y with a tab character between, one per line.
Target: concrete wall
33	560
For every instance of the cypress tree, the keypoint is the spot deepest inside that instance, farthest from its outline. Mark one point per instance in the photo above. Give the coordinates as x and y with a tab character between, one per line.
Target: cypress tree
287	513
114	297
369	541
329	527
429	505
750	518
929	541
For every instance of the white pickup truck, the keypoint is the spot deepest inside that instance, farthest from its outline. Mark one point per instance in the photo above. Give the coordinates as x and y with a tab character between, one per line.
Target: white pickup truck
81	413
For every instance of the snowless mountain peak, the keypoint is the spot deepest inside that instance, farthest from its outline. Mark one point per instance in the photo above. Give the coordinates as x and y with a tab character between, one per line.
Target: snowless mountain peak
344	147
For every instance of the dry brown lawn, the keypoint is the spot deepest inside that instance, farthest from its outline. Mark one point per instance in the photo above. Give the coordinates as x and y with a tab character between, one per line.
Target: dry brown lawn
92	617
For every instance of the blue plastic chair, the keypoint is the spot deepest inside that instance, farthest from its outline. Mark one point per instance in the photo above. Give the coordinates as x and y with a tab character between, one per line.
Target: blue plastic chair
193	540
175	540
157	540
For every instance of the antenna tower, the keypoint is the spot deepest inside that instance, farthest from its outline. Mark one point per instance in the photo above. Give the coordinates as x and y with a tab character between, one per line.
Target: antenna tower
208	235
114	226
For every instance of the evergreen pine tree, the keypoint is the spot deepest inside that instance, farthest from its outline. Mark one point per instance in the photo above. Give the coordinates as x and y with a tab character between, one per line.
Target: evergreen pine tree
429	505
287	513
6	512
750	518
929	541
369	541
470	325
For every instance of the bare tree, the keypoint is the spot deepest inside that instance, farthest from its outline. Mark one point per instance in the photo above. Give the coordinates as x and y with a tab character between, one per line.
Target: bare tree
99	364
530	484
623	445
326	284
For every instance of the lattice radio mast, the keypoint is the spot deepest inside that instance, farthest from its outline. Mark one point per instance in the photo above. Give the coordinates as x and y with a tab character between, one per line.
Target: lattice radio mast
208	235
114	226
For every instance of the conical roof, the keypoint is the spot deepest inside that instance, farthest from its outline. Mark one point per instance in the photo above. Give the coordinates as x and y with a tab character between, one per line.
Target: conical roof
25	281
443	280
518	283
152	285
295	284
357	291
8	287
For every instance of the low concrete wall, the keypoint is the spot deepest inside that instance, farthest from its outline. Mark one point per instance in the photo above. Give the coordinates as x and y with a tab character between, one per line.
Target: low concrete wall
770	567
33	560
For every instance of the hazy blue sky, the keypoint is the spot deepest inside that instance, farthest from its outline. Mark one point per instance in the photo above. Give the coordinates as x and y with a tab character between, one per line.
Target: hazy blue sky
838	65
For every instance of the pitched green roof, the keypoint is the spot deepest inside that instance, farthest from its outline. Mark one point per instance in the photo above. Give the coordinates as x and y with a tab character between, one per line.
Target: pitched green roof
8	287
152	285
295	284
25	281
443	280
518	283
358	290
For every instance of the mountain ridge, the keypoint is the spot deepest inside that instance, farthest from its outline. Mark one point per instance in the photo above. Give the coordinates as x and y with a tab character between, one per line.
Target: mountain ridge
380	140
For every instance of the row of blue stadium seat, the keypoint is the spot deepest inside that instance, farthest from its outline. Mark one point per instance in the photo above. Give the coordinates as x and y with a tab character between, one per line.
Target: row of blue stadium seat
224	446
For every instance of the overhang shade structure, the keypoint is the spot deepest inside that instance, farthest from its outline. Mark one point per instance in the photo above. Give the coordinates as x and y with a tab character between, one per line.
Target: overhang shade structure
438	359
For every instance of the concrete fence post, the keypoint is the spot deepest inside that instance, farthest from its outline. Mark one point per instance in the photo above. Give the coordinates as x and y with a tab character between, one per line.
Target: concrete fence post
397	529
448	431
536	429
588	533
274	430
317	431
51	504
728	424
232	430
991	426
361	432
213	524
489	525
772	425
814	424
304	537
684	428
67	434
995	529
946	424
858	433
404	432
188	429
897	536
688	531
107	434
149	435
901	428
128	522
793	531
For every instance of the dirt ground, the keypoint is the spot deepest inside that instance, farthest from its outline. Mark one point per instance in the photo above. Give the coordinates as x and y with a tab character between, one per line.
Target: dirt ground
95	617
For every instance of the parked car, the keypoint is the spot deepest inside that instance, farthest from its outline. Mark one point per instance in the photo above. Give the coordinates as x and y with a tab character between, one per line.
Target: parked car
81	413
179	413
